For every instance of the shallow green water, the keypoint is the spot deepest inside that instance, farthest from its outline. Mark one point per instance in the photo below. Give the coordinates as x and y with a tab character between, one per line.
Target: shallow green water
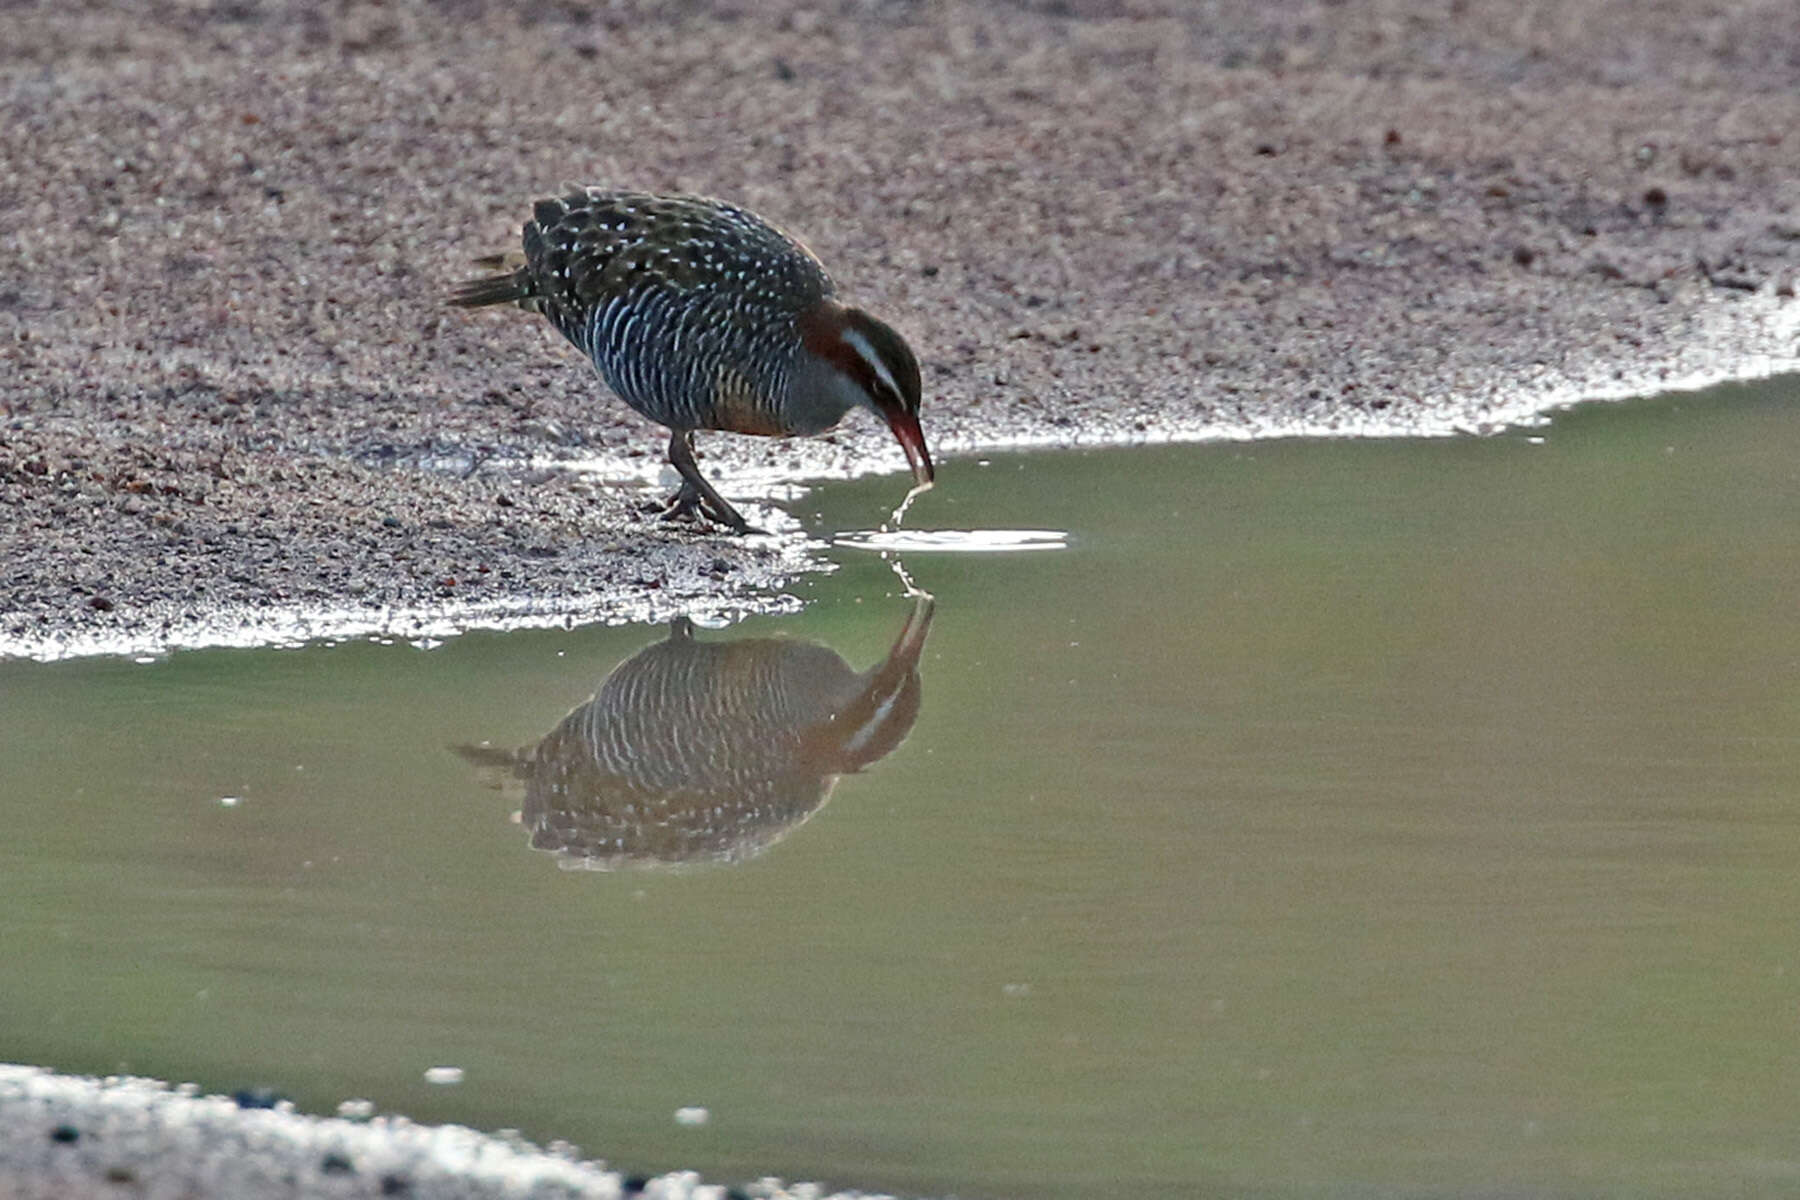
1329	818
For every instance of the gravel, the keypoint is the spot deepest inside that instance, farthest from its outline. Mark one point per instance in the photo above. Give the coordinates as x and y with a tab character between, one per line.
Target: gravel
69	1138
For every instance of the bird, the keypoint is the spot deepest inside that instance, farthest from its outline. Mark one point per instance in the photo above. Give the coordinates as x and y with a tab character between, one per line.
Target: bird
702	315
699	751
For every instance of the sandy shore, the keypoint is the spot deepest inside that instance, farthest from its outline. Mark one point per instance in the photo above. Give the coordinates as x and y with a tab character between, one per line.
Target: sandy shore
233	406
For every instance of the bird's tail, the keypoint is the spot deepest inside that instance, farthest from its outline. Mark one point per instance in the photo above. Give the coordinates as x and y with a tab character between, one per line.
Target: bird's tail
514	287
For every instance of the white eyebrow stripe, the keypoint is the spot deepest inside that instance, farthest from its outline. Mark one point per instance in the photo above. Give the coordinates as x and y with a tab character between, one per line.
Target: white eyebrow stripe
865	733
861	345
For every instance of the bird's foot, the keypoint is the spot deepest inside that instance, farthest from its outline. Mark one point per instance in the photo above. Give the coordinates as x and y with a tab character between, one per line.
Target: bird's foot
689	504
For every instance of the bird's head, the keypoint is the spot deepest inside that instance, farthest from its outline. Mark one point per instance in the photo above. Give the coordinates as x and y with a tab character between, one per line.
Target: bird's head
875	368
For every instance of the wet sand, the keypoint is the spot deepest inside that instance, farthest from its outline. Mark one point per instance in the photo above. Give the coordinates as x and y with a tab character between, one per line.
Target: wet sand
235	408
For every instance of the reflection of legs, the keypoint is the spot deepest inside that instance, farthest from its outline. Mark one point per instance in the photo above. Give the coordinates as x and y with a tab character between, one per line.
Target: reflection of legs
697	496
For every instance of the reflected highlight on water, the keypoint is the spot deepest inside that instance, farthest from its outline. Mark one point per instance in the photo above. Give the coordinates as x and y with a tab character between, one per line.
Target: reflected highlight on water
708	751
954	541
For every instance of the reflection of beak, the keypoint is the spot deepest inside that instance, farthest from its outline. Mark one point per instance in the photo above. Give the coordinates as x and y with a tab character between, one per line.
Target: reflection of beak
912	440
911	642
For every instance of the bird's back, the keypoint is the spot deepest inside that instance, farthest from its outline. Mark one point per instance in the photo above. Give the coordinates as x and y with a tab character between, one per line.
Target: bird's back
686	305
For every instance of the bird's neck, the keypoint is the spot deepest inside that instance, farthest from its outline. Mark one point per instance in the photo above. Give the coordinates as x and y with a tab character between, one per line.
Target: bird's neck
828	374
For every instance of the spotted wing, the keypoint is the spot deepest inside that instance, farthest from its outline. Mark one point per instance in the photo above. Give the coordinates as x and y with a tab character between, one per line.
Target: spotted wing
686	305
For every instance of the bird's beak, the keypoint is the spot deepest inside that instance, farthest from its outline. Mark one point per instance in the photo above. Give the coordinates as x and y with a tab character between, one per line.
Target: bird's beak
912	440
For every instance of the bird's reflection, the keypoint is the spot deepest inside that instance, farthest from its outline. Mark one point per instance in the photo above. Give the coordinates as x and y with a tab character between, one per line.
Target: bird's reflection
697	751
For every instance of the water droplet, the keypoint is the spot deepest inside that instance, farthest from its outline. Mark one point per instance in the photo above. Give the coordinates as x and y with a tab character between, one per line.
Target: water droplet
899	517
906	579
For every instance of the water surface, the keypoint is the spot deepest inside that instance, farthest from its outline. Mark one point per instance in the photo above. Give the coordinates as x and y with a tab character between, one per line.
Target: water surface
1323	819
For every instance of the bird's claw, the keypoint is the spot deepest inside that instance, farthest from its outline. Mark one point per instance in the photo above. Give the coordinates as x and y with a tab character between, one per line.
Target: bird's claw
689	505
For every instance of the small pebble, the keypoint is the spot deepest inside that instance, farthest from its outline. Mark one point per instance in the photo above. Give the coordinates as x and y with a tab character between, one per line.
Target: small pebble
257	1097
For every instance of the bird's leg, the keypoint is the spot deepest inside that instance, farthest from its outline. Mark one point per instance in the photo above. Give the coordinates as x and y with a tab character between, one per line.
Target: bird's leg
696	495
